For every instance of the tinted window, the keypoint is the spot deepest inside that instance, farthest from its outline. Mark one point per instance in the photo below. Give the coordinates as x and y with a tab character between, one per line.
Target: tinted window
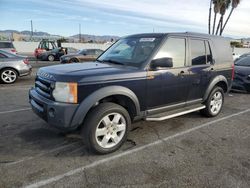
174	48
198	52
243	62
6	45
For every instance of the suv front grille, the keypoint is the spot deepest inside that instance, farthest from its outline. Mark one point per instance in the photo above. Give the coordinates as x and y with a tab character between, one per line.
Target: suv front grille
44	87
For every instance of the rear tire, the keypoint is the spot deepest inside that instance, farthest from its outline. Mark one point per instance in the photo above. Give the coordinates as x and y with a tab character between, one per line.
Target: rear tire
51	57
106	128
8	76
214	102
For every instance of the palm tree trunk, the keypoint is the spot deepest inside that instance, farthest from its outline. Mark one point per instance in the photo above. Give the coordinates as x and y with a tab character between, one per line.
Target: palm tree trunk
221	24
215	16
209	17
223	27
218	26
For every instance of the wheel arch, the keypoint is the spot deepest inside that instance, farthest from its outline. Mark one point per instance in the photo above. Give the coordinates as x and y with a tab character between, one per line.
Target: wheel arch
117	94
220	81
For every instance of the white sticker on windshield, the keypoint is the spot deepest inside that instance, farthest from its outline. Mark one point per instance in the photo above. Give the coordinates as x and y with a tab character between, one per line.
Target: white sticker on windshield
147	39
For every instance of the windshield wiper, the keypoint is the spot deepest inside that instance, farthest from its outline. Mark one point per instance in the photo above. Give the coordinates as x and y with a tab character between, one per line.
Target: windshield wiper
111	61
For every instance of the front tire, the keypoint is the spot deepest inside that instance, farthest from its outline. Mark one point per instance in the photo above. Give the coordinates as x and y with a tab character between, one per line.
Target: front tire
8	76
214	103
106	128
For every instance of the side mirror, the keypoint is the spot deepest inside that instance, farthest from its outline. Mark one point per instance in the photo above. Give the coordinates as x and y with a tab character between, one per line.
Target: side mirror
164	62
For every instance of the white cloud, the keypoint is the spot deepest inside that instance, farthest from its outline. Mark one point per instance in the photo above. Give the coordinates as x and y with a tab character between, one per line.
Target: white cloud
176	14
182	13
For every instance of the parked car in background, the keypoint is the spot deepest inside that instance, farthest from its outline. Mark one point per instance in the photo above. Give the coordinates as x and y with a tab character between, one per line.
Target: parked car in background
242	74
81	56
13	66
8	47
44	45
55	54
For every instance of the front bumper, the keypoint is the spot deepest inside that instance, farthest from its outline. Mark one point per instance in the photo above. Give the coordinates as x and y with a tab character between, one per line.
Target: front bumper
56	114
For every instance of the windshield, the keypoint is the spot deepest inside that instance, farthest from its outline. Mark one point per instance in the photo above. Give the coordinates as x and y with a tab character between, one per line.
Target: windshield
130	51
245	61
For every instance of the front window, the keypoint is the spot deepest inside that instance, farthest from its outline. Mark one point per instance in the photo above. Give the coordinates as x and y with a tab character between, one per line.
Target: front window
174	48
132	51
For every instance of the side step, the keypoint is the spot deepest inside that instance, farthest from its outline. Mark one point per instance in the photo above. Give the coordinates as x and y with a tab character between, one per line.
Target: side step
174	113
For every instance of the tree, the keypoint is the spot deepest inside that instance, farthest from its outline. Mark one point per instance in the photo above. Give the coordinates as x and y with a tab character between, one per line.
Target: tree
220	6
209	17
234	5
223	7
217	5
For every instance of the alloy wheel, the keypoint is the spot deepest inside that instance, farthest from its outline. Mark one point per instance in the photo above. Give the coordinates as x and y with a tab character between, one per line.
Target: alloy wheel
110	130
8	76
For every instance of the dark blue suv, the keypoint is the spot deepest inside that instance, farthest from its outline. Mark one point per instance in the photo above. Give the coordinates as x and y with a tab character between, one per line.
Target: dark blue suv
150	77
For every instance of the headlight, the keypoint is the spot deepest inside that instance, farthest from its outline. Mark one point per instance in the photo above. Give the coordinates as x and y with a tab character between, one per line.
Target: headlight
65	92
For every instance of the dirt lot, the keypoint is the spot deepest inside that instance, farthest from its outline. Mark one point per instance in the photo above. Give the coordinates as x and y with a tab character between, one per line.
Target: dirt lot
188	151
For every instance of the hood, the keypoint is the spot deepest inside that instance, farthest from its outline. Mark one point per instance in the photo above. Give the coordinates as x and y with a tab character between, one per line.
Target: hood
90	72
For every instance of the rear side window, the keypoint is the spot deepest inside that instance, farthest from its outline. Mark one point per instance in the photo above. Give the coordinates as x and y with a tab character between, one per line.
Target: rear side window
6	45
198	52
174	48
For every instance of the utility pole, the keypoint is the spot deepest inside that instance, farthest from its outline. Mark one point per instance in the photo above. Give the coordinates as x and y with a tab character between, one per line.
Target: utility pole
80	39
31	27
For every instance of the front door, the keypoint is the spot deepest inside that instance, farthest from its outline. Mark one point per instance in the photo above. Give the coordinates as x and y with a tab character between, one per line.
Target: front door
169	86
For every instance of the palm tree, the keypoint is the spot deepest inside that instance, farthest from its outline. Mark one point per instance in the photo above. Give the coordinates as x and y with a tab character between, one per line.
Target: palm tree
234	5
224	6
217	5
209	17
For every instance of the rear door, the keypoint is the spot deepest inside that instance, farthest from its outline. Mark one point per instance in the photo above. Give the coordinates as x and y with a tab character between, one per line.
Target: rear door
200	67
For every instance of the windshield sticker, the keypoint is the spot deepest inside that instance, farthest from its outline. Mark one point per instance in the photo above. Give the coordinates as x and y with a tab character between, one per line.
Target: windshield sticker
147	39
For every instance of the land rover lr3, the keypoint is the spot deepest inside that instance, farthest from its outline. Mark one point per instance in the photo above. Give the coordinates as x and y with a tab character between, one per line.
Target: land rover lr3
150	77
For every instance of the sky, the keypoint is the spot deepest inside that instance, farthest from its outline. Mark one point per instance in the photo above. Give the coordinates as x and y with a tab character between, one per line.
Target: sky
117	17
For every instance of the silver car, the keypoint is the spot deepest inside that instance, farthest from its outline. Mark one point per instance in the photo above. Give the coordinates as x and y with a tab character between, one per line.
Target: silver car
13	66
